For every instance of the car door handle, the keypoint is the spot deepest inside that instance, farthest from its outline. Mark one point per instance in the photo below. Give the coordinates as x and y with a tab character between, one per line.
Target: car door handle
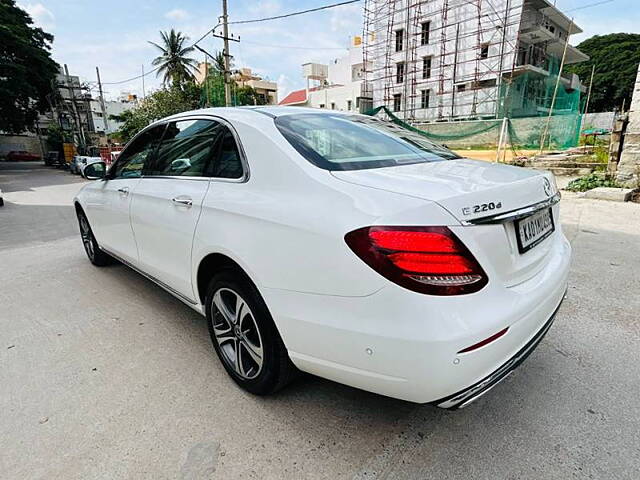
183	201
124	191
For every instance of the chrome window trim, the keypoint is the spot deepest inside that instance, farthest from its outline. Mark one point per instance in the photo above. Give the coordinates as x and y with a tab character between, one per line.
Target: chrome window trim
203	116
515	214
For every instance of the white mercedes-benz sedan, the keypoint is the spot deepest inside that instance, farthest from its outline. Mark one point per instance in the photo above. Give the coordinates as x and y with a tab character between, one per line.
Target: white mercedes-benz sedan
336	244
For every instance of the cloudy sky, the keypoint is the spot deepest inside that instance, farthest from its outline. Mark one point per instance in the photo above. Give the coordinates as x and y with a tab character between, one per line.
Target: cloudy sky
113	34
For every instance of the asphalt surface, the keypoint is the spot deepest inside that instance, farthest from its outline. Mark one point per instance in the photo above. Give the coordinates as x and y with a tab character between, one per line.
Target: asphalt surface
103	375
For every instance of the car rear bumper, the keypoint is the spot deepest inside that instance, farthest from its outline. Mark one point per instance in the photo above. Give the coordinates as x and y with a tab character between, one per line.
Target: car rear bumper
465	397
410	346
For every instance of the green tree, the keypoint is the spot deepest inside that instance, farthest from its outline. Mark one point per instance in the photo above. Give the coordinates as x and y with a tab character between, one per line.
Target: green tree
248	96
174	63
616	57
26	69
159	104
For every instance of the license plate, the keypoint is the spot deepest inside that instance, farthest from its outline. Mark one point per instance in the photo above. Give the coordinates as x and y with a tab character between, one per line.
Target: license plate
532	230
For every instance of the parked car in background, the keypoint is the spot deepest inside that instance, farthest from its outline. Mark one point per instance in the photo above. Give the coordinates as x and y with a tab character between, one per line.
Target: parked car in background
79	162
51	158
22	156
74	165
338	244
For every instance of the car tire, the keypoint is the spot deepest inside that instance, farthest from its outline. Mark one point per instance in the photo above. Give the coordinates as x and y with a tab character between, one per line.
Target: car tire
95	254
250	349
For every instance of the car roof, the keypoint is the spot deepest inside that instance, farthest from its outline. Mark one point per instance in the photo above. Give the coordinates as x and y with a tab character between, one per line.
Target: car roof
246	113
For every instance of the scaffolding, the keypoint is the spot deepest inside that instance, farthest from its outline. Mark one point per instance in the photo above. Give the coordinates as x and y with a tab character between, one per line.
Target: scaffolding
461	60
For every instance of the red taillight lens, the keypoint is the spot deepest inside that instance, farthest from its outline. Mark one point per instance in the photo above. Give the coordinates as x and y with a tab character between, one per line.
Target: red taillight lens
423	259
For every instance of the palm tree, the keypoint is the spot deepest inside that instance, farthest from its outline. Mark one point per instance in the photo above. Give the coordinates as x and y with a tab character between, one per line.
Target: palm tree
174	64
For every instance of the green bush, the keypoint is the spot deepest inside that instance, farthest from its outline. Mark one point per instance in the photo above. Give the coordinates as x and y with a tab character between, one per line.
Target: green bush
590	181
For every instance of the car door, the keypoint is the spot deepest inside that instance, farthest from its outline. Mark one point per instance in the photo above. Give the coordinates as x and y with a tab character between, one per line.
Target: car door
167	202
109	205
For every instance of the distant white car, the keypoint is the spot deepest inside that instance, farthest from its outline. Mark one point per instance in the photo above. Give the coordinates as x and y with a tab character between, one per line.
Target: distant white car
339	244
79	163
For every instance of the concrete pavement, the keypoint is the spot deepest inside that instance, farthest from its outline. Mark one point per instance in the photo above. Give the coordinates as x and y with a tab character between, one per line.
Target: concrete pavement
103	375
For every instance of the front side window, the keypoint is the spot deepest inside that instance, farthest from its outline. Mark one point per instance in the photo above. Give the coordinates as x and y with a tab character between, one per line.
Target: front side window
350	142
138	153
187	148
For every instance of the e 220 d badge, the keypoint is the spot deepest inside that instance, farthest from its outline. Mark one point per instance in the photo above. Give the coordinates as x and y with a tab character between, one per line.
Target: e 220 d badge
482	207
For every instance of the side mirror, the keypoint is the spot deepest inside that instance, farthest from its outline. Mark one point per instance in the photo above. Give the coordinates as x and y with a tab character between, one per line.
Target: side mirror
95	171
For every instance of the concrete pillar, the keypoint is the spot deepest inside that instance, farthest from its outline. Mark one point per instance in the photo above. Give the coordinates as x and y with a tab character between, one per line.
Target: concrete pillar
628	172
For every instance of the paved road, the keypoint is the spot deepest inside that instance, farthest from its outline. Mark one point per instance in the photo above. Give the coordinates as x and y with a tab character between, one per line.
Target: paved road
103	375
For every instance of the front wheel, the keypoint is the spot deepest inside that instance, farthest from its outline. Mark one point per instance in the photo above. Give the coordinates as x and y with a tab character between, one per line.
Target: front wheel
96	256
244	335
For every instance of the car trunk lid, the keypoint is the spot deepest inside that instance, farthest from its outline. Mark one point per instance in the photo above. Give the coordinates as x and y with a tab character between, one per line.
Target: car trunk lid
475	192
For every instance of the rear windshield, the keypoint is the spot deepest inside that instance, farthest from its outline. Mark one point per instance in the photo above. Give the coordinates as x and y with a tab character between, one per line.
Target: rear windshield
350	142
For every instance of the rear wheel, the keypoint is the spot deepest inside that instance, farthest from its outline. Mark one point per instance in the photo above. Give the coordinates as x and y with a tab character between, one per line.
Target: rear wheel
95	254
244	335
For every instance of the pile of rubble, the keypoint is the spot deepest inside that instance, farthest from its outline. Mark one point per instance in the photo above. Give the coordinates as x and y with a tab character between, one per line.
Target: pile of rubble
575	161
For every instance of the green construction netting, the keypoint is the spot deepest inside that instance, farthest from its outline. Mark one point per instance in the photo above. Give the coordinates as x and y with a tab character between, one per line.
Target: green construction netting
530	96
468	128
525	100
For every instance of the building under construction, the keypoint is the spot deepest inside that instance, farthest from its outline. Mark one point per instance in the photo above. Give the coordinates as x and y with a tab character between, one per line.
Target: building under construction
443	60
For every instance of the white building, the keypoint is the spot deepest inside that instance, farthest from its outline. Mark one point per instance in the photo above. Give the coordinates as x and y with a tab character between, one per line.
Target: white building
443	60
112	108
338	86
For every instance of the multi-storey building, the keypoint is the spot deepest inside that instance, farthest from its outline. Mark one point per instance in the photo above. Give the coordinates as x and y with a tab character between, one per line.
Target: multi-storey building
434	60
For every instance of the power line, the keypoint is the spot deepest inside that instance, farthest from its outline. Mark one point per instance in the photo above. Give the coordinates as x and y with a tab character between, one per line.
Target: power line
595	4
132	78
294	47
286	15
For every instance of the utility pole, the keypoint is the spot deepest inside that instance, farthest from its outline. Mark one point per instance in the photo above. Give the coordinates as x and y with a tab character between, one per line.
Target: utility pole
586	105
225	34
102	105
143	93
74	107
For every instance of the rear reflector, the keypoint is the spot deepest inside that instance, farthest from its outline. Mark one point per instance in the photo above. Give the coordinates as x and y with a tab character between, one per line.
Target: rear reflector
484	342
423	259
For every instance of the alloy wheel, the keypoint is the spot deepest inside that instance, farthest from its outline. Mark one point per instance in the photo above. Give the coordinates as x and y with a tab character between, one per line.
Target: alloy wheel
237	333
85	233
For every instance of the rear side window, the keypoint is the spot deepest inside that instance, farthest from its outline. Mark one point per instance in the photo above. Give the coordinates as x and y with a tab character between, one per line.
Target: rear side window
138	153
227	163
350	142
187	149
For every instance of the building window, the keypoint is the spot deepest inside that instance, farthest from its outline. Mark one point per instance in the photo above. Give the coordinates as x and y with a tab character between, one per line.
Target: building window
321	105
400	72
484	50
424	34
399	40
426	67
424	100
461	87
349	104
397	102
487	83
333	105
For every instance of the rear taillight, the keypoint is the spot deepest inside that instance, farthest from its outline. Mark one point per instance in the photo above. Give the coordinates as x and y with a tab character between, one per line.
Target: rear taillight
423	259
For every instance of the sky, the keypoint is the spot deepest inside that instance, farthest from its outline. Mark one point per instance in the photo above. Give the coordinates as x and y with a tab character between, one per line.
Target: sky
114	34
